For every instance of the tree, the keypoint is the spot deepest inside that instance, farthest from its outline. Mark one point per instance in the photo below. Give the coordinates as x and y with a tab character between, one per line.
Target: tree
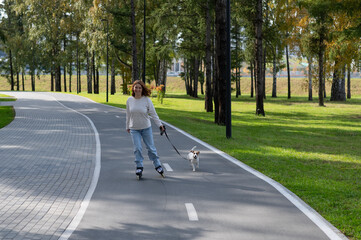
7	34
342	50
221	59
135	69
320	22
259	59
237	53
208	57
252	19
161	40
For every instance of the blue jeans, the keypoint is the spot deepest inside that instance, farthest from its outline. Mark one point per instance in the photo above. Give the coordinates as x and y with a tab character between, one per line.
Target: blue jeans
147	135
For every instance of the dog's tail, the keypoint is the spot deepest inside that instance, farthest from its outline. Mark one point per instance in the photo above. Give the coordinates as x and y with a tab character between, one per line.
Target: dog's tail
193	148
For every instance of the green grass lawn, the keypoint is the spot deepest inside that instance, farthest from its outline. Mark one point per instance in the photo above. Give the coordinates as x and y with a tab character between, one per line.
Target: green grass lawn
313	151
7	113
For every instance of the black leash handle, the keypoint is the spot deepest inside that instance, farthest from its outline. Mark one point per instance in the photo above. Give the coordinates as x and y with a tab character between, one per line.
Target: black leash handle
165	132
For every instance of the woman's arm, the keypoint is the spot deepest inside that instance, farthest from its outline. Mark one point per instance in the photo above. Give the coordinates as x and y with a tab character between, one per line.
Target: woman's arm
127	118
154	114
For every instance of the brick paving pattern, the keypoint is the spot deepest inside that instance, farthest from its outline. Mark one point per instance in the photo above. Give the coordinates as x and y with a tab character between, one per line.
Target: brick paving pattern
47	160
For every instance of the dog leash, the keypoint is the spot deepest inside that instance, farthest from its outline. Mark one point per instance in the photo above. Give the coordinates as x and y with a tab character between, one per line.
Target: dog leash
165	133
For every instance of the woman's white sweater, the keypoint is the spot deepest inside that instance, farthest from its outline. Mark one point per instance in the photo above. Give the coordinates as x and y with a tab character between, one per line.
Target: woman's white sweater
139	112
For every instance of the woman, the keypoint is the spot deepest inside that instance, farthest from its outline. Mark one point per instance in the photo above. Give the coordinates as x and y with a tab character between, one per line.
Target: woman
139	110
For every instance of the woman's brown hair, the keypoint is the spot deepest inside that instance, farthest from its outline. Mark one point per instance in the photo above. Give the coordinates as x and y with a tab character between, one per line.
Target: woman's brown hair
145	91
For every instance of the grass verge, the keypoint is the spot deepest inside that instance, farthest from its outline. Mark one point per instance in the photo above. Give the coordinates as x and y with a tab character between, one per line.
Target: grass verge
313	151
7	113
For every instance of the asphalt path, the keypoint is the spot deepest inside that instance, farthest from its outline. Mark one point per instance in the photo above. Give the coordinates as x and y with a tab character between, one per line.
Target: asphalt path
223	199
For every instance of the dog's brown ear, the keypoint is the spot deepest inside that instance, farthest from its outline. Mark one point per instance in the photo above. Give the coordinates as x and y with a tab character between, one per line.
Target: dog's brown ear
198	152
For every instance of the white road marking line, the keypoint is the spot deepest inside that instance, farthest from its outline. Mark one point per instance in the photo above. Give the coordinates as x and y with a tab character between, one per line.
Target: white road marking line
117	116
167	167
106	111
85	203
192	213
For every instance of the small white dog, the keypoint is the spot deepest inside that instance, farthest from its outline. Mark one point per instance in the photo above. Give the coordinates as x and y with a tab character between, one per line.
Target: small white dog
193	157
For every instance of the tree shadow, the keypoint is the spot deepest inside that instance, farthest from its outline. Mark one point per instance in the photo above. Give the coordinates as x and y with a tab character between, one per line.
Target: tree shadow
138	231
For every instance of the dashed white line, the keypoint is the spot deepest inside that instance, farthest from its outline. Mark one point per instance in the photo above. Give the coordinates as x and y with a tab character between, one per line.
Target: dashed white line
192	213
167	167
117	116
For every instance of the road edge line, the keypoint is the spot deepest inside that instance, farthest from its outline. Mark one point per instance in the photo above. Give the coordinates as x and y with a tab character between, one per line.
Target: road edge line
85	203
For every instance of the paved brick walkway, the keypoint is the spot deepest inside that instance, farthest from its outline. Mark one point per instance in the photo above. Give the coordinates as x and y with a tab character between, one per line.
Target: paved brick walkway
47	161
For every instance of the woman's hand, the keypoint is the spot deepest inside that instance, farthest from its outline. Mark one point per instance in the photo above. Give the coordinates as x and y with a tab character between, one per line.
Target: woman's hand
128	130
162	128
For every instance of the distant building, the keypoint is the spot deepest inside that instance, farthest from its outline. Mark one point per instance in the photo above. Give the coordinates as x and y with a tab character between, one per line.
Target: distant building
176	67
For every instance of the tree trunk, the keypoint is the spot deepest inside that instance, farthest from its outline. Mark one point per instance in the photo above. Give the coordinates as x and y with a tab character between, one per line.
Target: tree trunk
52	80
208	96
65	88
190	76
201	75
338	85
258	62
11	70
162	68
78	65
348	81
97	80
135	70
239	91
125	87
236	78
216	93
236	62
324	85
320	67
112	81
32	82
17	81
251	70
89	73
23	80
64	70
187	77
57	78
264	72
70	74
221	49
93	72
309	59
274	85
215	82
32	70
238	83
57	73
165	76
288	73
196	75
